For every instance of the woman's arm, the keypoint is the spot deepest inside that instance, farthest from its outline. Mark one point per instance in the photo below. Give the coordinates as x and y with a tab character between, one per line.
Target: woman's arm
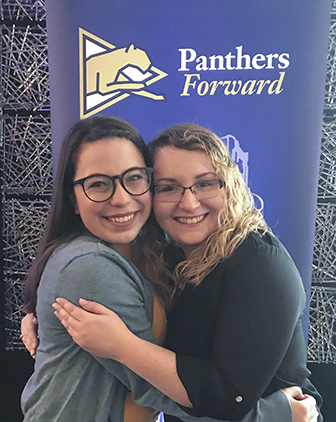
91	329
303	407
254	328
127	298
153	363
113	282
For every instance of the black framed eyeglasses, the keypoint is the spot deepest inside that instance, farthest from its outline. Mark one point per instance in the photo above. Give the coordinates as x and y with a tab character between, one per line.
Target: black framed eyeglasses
100	187
204	189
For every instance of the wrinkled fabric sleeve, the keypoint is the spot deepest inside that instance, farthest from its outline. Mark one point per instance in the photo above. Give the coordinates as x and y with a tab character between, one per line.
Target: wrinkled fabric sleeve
106	279
261	304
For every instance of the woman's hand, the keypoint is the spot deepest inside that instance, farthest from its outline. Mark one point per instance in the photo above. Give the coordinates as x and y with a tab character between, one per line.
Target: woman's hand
303	406
101	332
29	333
93	327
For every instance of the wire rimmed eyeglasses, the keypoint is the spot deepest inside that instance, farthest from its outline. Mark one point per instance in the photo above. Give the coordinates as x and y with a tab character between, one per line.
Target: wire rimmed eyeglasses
204	189
101	187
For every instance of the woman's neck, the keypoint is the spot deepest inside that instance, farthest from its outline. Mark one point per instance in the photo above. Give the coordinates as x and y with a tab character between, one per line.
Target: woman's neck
124	250
131	251
191	252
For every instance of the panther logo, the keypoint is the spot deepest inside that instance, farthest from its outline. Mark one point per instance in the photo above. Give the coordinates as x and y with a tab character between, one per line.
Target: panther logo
109	74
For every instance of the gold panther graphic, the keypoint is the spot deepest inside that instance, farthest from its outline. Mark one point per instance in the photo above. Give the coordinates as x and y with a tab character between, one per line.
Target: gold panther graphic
109	74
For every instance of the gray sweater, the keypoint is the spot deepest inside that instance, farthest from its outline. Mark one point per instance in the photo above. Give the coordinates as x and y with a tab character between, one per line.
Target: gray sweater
68	383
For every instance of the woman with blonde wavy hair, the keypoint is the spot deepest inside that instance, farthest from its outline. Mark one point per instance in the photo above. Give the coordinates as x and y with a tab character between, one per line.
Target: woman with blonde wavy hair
234	335
238	215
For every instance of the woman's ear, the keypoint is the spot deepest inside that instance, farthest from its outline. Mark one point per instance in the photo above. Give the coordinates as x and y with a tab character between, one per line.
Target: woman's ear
74	202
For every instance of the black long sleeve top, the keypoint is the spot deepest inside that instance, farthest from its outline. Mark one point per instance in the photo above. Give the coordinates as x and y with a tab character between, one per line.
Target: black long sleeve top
238	335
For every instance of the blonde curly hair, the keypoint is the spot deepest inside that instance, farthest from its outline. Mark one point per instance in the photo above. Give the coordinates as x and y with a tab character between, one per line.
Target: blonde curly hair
239	215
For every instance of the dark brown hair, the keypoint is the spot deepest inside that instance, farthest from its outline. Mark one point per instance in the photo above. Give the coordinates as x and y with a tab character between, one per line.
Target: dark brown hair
63	223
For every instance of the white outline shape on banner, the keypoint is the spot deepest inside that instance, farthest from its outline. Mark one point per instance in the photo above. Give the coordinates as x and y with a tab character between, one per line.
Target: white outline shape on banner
129	69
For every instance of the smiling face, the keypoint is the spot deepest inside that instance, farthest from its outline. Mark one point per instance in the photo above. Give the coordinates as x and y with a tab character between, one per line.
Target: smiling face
119	219
188	221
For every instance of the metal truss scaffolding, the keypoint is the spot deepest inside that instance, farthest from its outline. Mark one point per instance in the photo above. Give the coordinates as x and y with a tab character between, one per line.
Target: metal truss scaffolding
25	147
322	328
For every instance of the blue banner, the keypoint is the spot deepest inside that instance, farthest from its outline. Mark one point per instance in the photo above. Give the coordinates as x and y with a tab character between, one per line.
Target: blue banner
253	72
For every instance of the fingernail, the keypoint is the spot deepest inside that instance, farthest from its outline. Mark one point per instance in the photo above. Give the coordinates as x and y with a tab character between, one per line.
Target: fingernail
84	301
